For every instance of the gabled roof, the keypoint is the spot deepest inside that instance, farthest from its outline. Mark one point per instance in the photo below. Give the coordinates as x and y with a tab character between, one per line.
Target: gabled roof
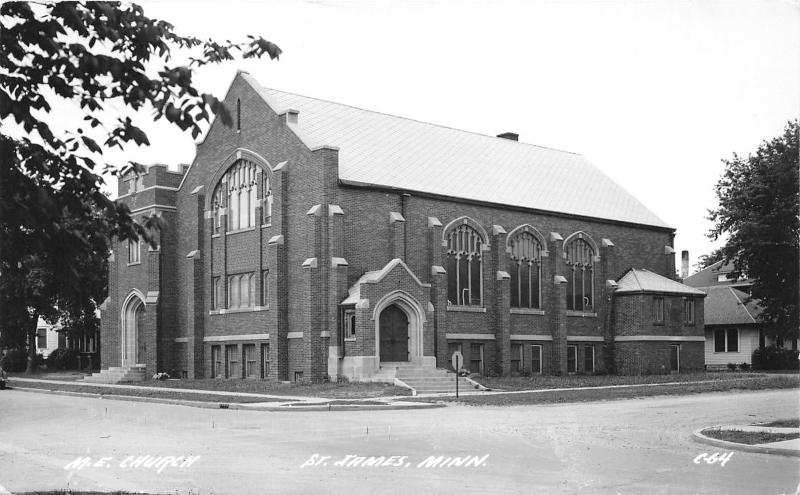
728	306
375	276
377	149
637	281
709	276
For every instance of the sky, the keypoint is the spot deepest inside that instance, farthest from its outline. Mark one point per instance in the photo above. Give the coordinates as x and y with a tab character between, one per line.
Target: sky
654	93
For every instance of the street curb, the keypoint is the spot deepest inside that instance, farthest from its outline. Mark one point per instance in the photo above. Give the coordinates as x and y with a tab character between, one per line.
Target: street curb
241	406
698	436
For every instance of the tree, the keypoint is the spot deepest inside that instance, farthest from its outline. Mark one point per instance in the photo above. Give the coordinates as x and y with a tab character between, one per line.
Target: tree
707	260
56	223
758	211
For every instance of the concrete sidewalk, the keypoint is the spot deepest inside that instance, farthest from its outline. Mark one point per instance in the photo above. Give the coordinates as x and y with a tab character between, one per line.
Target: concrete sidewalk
784	447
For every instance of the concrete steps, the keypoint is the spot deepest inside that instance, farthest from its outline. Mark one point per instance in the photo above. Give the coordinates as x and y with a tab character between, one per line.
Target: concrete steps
119	374
427	380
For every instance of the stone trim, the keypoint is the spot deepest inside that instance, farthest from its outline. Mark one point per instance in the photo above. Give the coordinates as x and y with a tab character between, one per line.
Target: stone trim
225	338
546	338
660	338
527	311
584	338
470	336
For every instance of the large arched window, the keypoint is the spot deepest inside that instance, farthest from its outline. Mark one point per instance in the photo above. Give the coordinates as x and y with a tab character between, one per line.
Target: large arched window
237	192
580	275
464	270
526	272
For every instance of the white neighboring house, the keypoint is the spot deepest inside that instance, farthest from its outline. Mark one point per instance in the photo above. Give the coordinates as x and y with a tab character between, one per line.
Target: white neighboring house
48	338
732	332
731	327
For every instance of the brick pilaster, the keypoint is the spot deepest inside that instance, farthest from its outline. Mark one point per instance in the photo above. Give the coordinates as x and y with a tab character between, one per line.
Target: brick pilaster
608	261
501	305
557	305
397	231
435	275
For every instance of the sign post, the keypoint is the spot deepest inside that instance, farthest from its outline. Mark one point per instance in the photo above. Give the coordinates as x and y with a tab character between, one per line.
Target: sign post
458	361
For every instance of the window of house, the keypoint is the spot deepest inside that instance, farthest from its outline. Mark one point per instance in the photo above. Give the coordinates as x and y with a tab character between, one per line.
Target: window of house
241	291
134	251
572	359
264	360
517	363
265	288
238	114
217	371
536	358
41	338
658	310
726	340
580	275
476	358
464	268
452	348
526	272
266	203
219	293
349	323
251	369
232	361
688	311
237	193
588	359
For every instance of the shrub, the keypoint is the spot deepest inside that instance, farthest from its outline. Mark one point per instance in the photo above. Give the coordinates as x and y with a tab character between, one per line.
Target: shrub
775	358
731	366
62	358
744	367
15	360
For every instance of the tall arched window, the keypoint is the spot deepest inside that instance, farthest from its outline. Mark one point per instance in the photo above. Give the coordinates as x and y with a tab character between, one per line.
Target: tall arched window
526	273
464	270
238	192
580	277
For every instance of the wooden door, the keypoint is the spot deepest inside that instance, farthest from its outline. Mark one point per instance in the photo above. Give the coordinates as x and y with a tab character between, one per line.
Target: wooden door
393	335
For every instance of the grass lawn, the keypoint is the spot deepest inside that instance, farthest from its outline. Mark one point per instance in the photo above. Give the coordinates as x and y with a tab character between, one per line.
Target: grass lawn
341	390
153	393
73	492
539	382
750	382
749	437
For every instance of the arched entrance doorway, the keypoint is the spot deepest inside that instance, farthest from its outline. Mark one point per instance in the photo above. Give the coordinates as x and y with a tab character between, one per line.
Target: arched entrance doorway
132	317
393	333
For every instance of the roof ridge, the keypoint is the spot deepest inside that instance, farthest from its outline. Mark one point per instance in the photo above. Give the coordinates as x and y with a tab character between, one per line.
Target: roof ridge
417	120
638	282
742	303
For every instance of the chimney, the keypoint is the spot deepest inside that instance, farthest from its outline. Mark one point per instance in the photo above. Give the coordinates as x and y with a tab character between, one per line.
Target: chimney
509	135
684	264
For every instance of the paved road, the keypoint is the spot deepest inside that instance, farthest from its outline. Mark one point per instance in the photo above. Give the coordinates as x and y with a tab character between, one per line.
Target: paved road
631	446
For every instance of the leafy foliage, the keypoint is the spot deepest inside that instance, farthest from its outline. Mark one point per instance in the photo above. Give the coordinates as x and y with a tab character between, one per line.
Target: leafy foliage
774	358
62	358
56	223
758	210
706	260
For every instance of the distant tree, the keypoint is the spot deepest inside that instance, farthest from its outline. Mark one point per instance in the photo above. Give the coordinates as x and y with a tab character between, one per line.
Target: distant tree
56	224
758	211
706	260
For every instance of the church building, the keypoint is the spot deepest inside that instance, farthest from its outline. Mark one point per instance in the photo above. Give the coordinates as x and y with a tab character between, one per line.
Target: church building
313	240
